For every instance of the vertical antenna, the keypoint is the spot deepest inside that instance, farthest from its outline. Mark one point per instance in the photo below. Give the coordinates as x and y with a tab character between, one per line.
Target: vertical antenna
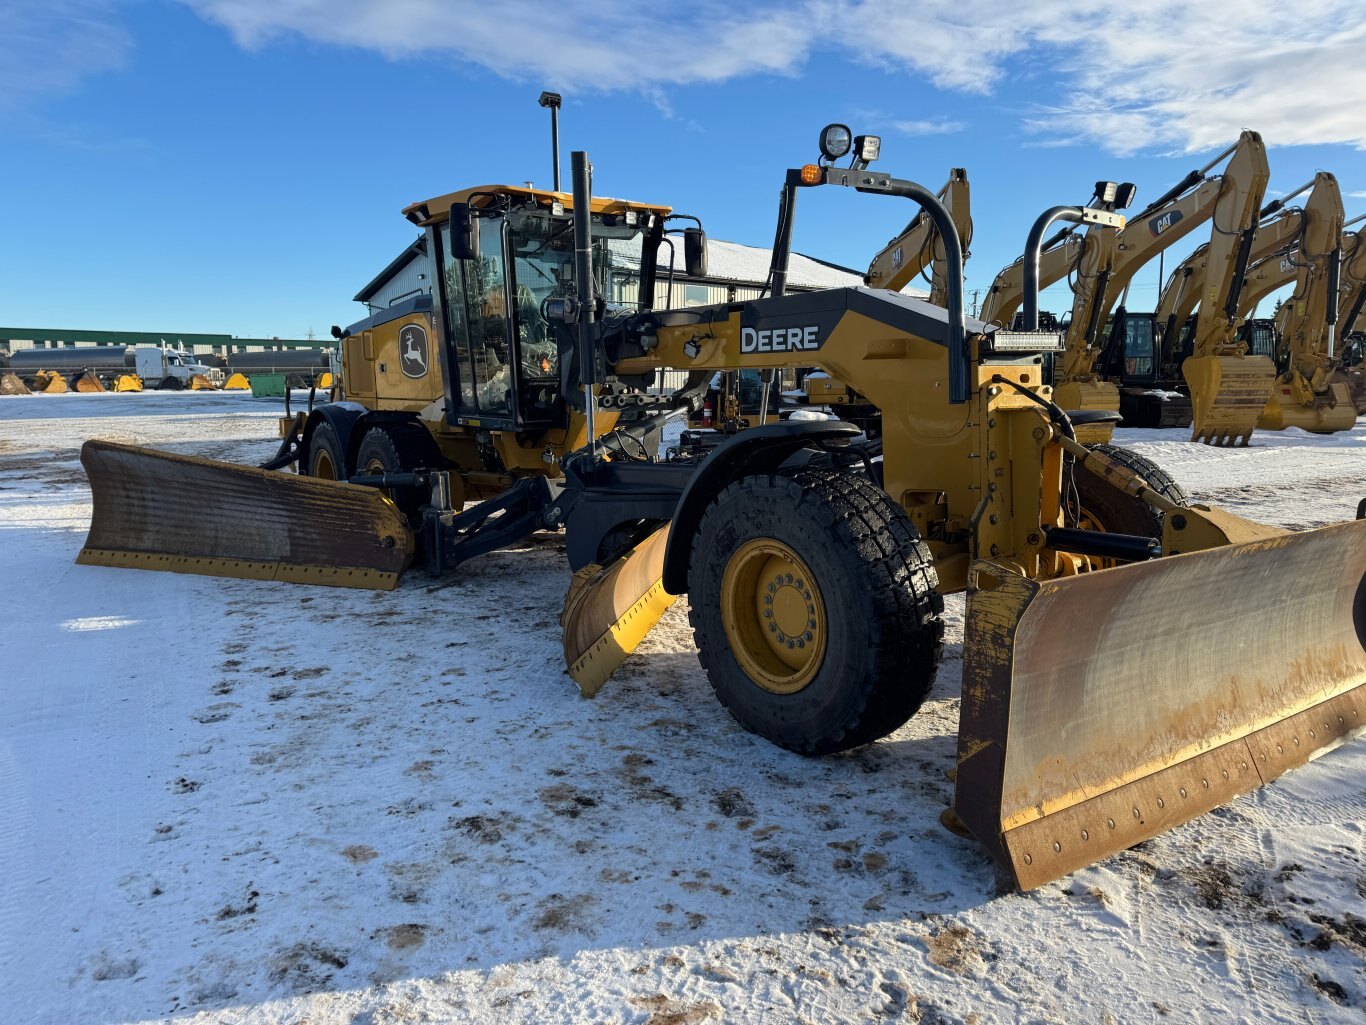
553	101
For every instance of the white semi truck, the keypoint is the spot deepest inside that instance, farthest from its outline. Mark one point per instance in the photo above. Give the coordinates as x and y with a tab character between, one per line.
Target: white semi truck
162	366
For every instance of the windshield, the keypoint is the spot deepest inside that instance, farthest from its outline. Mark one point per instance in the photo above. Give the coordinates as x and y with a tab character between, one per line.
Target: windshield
506	351
1138	345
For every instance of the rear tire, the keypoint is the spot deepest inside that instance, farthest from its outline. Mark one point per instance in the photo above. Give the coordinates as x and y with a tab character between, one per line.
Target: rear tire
869	661
399	448
1109	509
326	456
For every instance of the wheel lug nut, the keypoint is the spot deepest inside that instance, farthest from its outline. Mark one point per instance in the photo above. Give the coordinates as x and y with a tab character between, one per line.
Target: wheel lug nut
768	613
806	636
790	644
772	627
788	578
768	599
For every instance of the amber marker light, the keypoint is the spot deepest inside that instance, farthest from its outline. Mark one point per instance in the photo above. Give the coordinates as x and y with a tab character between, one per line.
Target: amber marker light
811	174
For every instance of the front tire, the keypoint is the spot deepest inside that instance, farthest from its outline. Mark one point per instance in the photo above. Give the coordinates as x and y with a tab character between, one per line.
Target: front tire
1105	507
814	608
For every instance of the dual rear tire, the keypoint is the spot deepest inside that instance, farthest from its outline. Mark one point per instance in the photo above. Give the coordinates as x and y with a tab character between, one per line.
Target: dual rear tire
385	448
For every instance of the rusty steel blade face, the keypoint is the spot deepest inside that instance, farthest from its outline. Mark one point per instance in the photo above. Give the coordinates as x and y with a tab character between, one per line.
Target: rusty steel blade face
1103	709
609	610
155	510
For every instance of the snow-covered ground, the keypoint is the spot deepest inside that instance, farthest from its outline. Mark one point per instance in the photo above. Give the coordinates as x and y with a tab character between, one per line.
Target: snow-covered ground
234	801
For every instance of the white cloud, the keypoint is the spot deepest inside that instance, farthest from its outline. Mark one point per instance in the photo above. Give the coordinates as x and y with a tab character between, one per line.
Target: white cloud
1356	195
51	46
1182	75
928	126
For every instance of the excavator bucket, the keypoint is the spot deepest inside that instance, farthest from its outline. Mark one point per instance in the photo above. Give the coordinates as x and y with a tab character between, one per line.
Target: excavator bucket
50	383
1100	710
610	608
10	384
1326	413
86	383
155	510
1228	394
201	383
237	382
128	382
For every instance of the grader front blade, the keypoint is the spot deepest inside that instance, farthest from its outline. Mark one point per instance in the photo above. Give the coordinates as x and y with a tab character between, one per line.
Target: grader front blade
1103	709
155	510
609	610
1228	394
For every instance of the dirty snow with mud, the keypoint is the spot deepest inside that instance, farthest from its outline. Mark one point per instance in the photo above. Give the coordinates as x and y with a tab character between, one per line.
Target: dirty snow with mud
235	801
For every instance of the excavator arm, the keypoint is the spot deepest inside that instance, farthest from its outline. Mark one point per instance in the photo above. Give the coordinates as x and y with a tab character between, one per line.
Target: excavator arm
1277	232
1312	393
1007	291
919	245
1352	294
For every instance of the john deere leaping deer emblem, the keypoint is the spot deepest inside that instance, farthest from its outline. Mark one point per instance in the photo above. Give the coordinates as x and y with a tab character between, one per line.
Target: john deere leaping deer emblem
412	342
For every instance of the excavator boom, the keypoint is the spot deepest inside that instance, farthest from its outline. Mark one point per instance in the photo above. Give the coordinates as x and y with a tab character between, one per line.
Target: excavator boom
918	245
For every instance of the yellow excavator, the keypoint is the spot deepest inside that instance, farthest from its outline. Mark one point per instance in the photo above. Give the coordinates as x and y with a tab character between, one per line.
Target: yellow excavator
1313	392
1146	351
1104	698
1227	388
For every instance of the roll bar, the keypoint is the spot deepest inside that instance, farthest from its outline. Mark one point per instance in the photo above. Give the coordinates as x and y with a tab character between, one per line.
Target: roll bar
864	180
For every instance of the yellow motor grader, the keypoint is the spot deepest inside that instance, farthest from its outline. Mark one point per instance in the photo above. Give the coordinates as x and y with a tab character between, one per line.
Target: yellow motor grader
1104	697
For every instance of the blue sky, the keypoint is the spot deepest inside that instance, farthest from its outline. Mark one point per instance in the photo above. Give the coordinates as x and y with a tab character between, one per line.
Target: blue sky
239	165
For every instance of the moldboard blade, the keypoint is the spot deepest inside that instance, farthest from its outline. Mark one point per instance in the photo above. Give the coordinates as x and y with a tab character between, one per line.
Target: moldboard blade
1103	709
156	510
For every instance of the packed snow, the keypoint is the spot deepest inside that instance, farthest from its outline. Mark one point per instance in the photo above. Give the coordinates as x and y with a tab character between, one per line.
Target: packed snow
242	802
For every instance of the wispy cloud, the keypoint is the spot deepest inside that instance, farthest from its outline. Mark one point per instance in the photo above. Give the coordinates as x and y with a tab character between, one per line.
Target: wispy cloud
929	126
52	46
1165	75
1357	195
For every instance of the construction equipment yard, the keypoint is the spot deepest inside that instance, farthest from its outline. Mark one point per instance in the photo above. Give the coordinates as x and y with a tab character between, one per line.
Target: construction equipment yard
228	800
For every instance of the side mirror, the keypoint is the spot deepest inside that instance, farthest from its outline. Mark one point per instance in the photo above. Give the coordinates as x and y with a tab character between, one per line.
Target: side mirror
464	232
695	252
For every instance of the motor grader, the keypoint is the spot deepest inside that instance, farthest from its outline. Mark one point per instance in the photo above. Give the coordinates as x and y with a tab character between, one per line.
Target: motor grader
1104	697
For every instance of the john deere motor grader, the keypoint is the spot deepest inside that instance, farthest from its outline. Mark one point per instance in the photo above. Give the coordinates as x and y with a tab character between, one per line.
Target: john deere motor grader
814	572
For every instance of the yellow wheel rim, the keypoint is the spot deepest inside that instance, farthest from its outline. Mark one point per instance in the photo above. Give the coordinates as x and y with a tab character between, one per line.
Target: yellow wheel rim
774	616
322	466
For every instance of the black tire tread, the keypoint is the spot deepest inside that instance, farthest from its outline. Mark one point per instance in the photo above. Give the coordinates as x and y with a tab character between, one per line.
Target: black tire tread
905	633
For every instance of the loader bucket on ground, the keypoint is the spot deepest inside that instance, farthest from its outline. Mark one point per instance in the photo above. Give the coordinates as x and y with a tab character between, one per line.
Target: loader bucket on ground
1228	394
237	382
86	383
1103	709
199	382
10	384
155	510
609	610
128	382
50	383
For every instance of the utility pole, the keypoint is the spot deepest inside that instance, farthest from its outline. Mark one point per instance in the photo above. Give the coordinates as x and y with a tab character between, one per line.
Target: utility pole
975	293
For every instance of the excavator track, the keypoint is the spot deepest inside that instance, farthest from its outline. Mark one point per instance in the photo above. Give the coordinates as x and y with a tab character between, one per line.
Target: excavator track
1077	743
157	510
